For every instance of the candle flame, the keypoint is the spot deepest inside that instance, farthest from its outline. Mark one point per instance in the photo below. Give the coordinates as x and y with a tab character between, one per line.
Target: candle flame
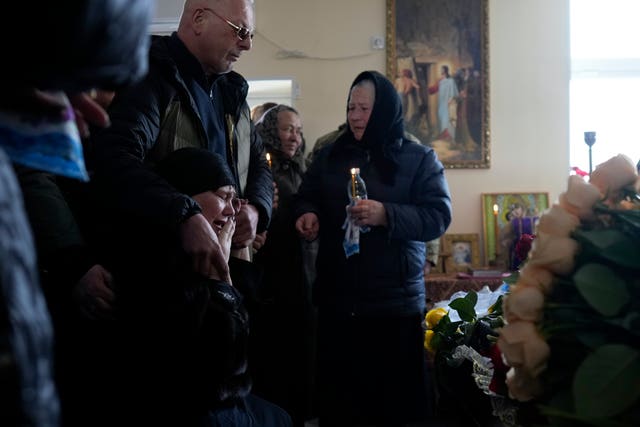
353	171
496	208
268	157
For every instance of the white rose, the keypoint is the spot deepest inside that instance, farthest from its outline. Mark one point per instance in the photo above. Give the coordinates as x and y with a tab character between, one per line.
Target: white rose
615	173
522	346
521	386
535	275
554	253
579	197
558	222
523	303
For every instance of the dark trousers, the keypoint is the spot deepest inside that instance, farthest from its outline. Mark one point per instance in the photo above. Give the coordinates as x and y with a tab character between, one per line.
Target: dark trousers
371	370
252	411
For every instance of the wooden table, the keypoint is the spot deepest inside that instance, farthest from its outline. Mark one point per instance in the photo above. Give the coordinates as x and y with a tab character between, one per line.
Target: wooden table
440	287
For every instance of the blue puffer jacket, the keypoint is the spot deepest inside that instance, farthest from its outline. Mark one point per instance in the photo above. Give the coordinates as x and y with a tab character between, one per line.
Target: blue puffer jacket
386	277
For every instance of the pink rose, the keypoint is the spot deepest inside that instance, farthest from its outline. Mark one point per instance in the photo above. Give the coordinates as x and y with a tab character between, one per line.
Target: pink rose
579	197
558	222
521	386
523	303
522	346
554	253
535	275
612	175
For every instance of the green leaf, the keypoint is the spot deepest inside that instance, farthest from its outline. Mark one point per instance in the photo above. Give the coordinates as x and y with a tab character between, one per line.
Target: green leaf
466	307
592	339
606	383
496	308
561	418
629	322
602	288
614	245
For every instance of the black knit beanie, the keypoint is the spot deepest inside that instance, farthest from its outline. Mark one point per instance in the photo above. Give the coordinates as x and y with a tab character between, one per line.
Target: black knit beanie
195	170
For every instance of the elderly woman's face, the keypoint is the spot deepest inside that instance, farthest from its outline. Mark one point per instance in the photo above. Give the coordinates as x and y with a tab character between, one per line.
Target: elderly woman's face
290	132
218	206
359	109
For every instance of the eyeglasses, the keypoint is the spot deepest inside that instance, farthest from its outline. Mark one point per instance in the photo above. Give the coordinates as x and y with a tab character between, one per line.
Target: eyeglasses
242	32
233	199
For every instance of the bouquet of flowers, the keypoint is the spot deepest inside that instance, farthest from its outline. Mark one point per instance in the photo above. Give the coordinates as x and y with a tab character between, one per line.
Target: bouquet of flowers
572	333
467	366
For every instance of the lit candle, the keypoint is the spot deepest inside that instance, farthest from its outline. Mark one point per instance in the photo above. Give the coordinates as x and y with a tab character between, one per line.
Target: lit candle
353	182
269	160
496	209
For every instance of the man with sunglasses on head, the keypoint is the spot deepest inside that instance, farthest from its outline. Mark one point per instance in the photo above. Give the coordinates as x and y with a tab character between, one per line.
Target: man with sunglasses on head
190	98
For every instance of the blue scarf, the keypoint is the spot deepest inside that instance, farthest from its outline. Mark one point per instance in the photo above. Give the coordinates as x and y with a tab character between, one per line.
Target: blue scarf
45	143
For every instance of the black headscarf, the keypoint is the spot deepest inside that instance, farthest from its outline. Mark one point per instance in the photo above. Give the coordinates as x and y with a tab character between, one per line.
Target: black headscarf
195	170
385	129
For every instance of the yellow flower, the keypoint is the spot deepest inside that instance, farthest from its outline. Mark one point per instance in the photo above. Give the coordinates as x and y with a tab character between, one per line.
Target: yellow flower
434	315
428	336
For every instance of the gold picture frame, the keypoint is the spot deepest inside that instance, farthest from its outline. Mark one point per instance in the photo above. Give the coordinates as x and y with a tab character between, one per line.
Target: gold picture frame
497	209
450	114
463	252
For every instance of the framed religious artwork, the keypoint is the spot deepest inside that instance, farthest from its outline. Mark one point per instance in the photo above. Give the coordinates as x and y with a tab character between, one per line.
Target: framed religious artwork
438	59
505	218
463	252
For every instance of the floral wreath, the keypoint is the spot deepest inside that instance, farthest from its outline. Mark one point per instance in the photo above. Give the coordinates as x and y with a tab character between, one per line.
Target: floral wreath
572	333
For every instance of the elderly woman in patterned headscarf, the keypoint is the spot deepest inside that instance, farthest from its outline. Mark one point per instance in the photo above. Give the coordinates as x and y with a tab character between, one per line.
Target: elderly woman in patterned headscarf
281	130
282	331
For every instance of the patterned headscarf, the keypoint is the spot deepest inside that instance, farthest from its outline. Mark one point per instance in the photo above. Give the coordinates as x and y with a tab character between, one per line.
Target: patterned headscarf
267	128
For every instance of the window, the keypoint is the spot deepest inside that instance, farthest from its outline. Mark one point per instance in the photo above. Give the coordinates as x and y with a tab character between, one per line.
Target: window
279	91
605	80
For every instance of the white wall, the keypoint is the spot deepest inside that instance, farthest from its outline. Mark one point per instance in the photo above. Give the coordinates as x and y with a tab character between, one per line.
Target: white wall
529	70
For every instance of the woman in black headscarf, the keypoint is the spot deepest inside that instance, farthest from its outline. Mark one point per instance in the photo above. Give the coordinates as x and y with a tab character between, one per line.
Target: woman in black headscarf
370	304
